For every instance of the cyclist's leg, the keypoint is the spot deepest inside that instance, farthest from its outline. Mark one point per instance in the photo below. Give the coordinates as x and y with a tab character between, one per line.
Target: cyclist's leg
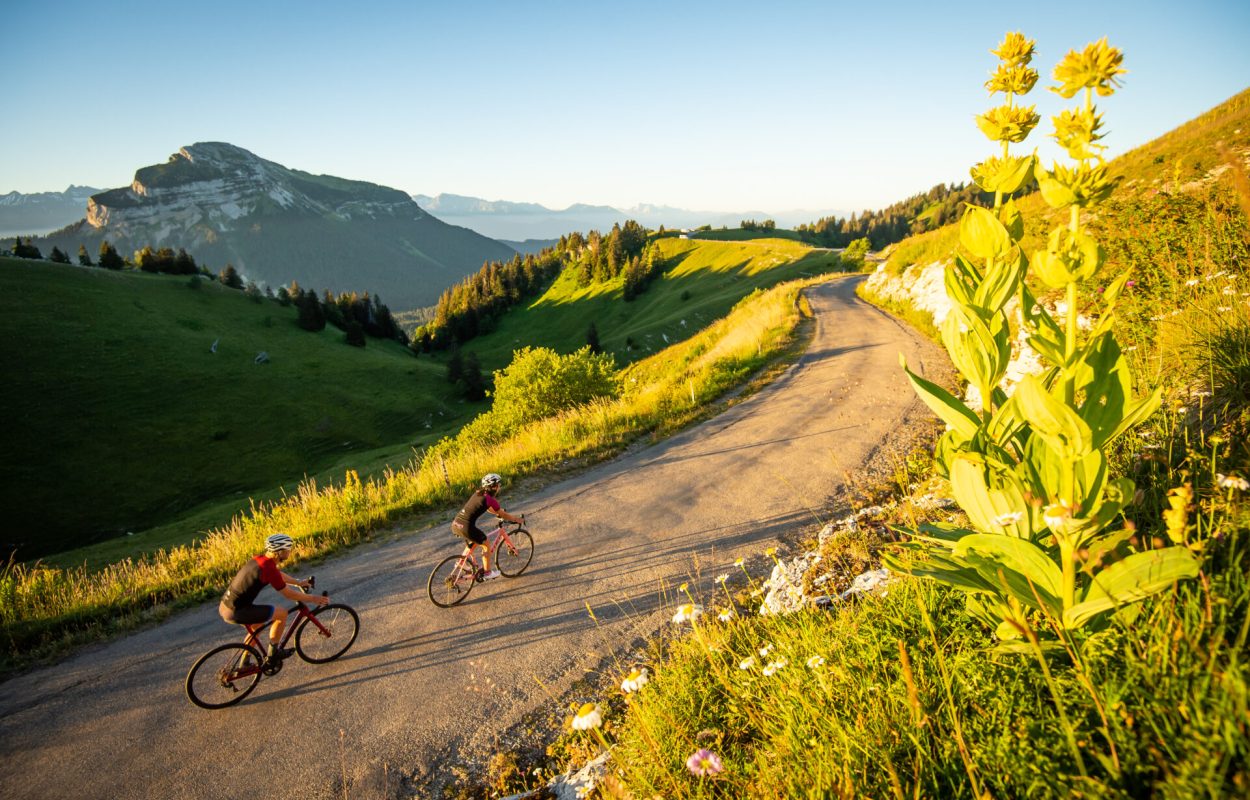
254	617
275	630
478	539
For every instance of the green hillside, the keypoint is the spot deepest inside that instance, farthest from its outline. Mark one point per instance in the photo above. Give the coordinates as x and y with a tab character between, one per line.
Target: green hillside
129	423
123	417
704	280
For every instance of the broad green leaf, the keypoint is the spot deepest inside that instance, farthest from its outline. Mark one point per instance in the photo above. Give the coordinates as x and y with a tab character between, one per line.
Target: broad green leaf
1100	548
1136	413
1001	281
956	574
1055	193
1012	583
1051	270
1020	555
1060	478
1046	337
960	279
941	533
949	409
1112	293
1000	507
1102	377
983	235
1052	420
1132	580
1010	216
1004	175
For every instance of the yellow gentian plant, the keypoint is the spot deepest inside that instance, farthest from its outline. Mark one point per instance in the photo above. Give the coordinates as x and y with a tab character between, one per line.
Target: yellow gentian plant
1030	469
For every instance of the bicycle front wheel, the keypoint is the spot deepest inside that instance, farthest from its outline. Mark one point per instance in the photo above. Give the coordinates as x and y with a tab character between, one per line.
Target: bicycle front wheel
514	555
224	675
327	634
451	581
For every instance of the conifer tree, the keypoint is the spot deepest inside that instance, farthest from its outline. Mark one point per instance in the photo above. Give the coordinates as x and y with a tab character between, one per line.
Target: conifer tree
231	277
109	259
58	256
83	258
471	379
355	333
592	339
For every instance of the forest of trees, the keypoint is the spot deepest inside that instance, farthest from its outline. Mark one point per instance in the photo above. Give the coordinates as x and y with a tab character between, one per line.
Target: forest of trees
474	305
357	315
922	212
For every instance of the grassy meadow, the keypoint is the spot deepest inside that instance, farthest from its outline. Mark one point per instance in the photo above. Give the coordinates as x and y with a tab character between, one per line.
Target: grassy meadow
126	419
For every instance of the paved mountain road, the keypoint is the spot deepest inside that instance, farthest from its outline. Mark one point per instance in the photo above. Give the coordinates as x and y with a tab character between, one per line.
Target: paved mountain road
423	686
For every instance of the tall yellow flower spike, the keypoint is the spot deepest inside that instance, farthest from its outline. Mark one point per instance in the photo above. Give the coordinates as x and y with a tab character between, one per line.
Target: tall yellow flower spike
1016	49
1011	80
1008	123
1097	68
1077	131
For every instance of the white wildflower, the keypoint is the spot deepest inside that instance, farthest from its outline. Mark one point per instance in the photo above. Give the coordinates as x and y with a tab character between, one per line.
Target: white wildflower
635	680
588	718
688	613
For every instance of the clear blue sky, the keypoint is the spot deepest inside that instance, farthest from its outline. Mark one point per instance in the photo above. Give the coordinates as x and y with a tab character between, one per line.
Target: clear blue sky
704	105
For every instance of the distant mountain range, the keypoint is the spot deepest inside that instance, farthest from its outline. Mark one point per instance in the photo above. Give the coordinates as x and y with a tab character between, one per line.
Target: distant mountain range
518	222
225	205
33	214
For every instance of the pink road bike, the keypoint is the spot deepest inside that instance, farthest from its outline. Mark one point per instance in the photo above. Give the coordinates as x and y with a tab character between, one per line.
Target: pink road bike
511	548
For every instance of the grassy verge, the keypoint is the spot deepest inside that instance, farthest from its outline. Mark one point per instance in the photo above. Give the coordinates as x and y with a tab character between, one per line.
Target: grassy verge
896	697
44	609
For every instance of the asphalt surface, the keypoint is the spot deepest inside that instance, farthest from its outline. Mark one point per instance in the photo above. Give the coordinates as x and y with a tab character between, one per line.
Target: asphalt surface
424	689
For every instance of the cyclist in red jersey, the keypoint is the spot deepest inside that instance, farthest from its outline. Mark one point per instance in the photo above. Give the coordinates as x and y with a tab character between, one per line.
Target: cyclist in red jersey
238	604
465	523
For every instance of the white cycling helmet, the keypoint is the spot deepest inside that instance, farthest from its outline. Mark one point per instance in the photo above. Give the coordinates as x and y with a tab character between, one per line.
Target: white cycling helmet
277	542
491	479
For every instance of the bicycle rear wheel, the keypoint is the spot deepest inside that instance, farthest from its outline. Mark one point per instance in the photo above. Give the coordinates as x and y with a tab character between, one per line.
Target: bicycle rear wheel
451	581
224	675
341	625
512	559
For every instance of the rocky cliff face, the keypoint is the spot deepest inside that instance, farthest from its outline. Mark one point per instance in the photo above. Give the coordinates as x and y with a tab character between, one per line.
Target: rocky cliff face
212	187
224	205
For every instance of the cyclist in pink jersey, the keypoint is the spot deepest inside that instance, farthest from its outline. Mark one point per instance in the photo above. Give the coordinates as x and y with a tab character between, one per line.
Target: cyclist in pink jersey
465	523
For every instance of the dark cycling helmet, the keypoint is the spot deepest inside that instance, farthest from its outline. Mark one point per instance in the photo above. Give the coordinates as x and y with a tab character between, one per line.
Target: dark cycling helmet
491	481
279	541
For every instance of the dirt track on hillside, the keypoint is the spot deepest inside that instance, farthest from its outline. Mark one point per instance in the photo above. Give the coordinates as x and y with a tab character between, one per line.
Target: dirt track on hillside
424	688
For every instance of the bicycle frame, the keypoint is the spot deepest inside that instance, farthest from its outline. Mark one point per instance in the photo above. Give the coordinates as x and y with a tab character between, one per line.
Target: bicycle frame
252	639
493	540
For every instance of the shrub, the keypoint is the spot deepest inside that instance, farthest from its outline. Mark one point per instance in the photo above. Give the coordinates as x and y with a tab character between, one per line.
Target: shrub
540	383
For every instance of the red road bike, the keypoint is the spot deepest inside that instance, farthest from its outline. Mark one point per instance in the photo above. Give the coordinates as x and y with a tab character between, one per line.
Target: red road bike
511	550
225	675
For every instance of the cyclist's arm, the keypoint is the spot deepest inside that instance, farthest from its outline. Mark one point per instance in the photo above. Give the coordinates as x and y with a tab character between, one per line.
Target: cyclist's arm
505	515
289	579
297	596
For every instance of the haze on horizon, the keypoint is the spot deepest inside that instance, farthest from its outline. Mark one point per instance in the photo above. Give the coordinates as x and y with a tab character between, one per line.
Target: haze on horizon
702	105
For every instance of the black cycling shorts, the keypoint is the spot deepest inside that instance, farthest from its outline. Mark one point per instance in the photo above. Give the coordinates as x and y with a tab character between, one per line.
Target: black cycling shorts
469	533
245	615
